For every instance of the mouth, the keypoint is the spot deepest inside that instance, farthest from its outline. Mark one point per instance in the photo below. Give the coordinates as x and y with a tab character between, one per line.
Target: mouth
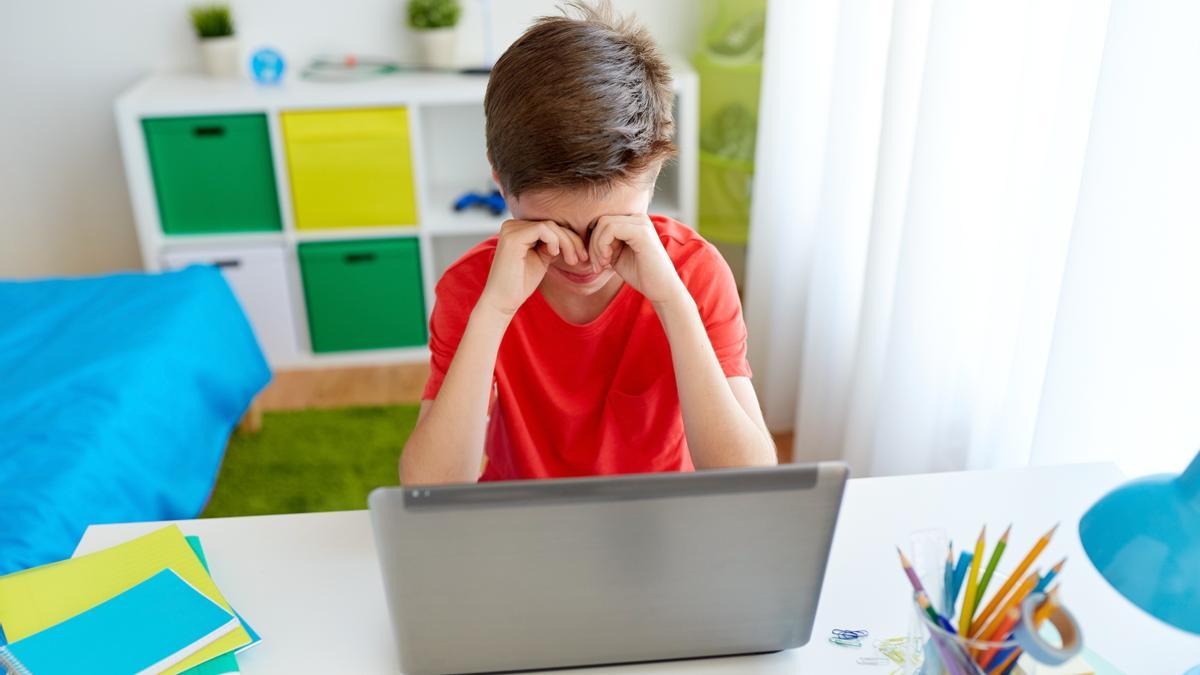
580	279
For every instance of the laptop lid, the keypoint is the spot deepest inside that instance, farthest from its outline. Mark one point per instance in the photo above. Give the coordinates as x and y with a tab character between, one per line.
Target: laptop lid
555	573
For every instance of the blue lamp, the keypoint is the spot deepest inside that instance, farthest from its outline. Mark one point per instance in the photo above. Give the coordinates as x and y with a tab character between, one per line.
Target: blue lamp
1144	538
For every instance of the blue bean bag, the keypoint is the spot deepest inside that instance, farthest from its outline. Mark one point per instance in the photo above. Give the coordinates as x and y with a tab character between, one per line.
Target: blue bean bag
117	396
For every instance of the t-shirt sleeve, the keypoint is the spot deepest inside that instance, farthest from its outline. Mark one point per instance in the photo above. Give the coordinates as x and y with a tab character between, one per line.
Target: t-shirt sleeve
710	281
454	297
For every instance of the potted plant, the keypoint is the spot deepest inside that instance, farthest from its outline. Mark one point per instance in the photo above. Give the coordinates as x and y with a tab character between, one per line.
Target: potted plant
218	46
433	23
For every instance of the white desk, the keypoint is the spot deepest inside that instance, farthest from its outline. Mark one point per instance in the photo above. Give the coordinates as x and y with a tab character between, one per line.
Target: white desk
310	584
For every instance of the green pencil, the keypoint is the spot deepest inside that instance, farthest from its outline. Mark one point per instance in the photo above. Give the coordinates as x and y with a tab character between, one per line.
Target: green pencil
991	566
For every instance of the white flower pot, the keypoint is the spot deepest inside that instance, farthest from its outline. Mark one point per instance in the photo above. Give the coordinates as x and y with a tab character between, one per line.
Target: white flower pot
220	57
438	47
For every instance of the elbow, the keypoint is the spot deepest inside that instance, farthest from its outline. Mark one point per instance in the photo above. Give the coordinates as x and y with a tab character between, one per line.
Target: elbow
414	470
751	454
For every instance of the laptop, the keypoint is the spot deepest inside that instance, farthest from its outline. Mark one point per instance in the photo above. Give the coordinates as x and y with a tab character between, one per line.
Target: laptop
522	575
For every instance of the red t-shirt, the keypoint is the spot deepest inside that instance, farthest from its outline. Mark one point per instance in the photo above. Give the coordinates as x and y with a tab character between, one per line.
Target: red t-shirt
591	399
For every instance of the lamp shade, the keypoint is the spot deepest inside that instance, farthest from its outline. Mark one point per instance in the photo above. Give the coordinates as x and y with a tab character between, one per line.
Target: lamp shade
1144	538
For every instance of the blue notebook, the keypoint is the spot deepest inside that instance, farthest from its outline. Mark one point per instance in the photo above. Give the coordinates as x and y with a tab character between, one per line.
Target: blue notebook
225	663
148	628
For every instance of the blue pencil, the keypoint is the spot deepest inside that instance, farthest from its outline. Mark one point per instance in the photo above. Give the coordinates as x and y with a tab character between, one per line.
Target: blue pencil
1045	581
960	573
948	581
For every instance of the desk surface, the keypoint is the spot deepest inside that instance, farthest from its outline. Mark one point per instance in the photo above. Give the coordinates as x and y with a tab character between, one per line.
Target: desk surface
311	585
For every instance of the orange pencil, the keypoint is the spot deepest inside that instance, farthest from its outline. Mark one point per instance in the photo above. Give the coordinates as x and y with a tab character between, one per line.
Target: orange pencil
982	618
1040	614
1039	617
1010	618
1013	601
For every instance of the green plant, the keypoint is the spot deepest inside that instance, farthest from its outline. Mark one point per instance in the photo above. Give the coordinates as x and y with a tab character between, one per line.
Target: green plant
428	14
212	21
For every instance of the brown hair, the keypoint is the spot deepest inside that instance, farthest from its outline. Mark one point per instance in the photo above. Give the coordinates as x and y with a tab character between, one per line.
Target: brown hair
579	102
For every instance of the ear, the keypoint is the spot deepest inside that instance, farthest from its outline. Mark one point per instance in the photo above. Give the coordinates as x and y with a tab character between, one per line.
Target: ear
499	185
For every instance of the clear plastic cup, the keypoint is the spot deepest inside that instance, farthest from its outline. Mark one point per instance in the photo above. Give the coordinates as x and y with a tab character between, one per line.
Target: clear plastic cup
933	650
946	652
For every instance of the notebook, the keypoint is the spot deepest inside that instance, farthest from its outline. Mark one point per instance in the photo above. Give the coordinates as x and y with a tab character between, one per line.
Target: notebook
225	663
146	629
37	598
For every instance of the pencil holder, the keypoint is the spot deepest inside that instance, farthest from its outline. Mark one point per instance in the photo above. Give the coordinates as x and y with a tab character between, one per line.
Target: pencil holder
941	651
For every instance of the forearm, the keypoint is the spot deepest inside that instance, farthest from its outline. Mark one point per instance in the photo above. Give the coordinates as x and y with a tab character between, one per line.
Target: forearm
719	431
446	446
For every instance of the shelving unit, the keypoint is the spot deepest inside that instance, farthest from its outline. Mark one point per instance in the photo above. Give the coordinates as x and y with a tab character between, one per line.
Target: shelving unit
443	127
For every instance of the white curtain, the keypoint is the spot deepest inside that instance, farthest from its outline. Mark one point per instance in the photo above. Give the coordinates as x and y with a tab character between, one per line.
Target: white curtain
975	237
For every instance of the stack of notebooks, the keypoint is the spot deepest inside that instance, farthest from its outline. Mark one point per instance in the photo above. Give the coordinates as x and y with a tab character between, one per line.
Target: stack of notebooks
145	606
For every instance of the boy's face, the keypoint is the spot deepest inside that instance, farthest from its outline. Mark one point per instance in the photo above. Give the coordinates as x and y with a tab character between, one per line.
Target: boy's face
578	211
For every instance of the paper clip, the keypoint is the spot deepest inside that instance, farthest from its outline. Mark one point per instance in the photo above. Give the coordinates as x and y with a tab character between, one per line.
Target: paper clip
873	661
893	649
850	633
845	643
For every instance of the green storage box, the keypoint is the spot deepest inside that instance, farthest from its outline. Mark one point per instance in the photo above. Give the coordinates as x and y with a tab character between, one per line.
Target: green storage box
363	294
213	174
725	191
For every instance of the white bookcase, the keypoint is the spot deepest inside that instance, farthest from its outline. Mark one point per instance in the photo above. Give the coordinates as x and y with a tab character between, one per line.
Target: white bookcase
446	132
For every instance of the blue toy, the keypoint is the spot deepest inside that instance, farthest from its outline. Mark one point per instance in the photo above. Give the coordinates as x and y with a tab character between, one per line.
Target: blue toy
267	66
493	202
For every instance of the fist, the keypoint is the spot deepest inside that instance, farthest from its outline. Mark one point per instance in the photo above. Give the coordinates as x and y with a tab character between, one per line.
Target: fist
523	254
630	246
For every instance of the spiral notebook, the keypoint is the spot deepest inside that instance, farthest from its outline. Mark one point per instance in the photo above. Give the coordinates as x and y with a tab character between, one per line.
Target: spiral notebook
148	628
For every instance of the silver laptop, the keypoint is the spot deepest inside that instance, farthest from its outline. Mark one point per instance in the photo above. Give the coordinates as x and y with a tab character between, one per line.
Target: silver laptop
554	573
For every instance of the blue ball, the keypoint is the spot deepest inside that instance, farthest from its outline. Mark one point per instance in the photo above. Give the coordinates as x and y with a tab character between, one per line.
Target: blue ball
267	66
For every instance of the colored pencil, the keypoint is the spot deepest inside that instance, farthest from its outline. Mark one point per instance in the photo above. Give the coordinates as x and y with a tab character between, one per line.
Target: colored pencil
1040	614
960	574
1045	582
923	601
1007	657
948	581
1001	594
945	653
1011	617
910	572
991	566
1013	654
968	608
1014	600
922	596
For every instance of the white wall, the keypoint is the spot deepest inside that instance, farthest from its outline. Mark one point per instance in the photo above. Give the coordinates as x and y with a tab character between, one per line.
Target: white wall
64	208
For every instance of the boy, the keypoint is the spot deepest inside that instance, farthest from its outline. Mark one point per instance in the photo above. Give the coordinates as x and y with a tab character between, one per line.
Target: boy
598	339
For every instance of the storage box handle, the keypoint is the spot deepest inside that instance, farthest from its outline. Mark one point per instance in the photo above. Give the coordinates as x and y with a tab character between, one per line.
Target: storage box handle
355	258
228	263
209	130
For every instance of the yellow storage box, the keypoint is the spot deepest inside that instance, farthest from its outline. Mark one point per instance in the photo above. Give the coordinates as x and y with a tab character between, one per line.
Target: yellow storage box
350	168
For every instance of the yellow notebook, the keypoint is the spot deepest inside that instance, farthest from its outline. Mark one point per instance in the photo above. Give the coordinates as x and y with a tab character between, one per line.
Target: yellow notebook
37	598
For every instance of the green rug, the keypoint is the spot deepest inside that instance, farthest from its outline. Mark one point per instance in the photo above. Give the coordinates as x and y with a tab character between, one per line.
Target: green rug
311	460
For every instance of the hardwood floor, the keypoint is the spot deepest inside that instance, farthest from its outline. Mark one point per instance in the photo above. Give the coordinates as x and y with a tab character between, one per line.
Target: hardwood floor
340	387
373	385
783	445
